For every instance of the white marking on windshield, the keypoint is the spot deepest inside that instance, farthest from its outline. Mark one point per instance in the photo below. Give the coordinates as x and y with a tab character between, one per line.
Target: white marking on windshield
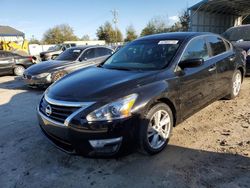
168	42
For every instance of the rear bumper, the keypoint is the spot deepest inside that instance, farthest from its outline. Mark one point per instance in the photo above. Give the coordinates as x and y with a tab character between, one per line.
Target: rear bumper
104	139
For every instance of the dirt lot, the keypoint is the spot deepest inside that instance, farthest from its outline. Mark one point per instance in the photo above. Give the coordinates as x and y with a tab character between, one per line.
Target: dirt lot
211	149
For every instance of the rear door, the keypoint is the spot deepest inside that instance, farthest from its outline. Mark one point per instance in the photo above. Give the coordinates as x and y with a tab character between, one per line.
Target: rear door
6	62
221	52
197	84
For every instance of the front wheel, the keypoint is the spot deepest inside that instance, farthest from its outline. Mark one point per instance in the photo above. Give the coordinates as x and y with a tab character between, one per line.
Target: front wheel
57	76
235	85
155	129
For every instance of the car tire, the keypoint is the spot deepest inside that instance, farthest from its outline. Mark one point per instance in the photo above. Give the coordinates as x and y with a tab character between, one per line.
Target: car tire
235	85
18	70
153	136
57	76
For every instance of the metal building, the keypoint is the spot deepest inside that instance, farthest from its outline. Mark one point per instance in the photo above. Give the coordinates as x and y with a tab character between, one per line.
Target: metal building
8	33
218	15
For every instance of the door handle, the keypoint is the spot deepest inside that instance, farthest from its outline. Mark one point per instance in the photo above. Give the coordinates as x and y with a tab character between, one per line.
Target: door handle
212	68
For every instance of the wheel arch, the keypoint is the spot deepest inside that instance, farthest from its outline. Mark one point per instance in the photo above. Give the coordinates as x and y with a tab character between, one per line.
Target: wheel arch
166	101
242	72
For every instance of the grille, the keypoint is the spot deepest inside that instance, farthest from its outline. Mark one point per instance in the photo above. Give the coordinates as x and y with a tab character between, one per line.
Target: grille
58	113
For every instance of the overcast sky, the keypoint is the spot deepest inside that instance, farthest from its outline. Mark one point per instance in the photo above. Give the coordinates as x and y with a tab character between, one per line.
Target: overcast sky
85	16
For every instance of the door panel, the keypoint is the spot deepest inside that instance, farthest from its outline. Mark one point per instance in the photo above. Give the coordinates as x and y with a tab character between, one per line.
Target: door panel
197	84
6	64
197	87
225	58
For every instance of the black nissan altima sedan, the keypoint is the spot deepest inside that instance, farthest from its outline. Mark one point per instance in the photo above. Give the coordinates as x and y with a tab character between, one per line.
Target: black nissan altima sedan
140	93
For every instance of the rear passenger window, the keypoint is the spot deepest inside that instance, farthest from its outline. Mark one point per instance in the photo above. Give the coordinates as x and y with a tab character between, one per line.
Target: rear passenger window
103	52
217	45
197	48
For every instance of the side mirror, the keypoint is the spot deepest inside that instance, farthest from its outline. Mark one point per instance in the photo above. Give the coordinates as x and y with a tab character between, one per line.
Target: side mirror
191	63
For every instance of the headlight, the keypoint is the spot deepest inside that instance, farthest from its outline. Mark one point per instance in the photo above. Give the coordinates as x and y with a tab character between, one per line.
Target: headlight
115	110
248	52
42	75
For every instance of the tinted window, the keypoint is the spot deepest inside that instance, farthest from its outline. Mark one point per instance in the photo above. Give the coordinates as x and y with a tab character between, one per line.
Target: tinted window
238	33
90	53
144	55
197	48
217	45
103	52
69	55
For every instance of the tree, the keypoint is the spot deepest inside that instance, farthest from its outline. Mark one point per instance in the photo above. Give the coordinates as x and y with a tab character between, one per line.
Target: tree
34	41
59	34
130	34
156	25
108	33
85	37
184	18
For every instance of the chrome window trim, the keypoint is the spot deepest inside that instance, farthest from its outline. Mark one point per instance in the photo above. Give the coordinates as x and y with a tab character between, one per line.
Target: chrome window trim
67	103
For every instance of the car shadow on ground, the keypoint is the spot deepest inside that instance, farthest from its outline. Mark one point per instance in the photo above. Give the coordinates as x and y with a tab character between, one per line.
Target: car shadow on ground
29	160
18	84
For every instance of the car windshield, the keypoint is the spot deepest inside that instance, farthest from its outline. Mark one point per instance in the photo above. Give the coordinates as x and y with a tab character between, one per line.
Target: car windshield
144	55
238	33
69	55
55	48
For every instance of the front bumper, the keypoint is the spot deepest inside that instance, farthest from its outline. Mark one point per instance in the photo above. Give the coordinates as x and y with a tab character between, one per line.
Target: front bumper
248	65
37	82
98	139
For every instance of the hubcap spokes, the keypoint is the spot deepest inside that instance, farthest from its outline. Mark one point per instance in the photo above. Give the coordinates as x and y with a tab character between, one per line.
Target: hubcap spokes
159	129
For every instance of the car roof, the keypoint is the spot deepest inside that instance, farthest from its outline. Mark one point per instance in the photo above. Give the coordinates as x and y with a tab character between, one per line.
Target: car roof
174	35
87	46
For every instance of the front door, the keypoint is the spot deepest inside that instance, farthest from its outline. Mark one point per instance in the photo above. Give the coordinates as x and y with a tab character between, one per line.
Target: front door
196	84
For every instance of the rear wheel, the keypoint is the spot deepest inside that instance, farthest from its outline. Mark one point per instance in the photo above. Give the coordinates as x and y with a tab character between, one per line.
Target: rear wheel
235	85
19	70
155	129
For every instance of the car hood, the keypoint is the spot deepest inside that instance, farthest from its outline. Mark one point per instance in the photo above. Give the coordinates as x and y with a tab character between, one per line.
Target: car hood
47	66
98	84
245	45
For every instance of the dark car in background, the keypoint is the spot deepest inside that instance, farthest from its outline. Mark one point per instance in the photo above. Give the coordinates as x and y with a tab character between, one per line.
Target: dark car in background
11	63
240	37
47	72
140	93
55	51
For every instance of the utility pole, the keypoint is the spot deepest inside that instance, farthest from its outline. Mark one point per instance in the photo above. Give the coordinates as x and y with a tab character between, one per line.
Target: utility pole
115	20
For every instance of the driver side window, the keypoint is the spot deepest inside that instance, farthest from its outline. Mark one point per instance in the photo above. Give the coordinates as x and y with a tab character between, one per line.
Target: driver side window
196	49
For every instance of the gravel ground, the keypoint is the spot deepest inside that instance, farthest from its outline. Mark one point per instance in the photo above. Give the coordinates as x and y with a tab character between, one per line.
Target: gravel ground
210	149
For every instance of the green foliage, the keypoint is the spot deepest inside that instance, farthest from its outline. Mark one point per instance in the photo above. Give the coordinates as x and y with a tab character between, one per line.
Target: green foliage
59	34
34	41
130	34
156	25
108	33
85	37
184	18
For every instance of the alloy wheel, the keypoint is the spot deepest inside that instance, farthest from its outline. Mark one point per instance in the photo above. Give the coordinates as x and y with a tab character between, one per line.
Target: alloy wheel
159	129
